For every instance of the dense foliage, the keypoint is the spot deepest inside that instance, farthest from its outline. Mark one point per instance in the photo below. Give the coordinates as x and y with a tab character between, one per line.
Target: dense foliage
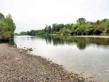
7	27
82	27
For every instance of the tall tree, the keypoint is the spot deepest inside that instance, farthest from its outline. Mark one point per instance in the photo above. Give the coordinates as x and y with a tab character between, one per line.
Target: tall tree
81	20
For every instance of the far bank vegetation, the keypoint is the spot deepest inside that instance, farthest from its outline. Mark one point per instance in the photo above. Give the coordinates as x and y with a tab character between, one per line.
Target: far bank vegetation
82	27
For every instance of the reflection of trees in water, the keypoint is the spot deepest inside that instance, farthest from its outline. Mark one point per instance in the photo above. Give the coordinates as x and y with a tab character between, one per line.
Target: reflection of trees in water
82	42
12	42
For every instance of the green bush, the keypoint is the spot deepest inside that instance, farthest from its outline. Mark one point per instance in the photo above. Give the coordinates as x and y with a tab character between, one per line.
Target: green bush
7	28
105	34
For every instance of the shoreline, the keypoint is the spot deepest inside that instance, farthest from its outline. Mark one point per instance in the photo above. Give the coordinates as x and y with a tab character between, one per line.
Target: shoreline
16	65
92	36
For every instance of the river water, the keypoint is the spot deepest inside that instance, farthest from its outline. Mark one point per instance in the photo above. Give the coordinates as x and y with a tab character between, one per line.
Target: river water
86	56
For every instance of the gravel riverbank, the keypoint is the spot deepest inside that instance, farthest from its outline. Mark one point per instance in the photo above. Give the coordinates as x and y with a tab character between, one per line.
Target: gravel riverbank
16	65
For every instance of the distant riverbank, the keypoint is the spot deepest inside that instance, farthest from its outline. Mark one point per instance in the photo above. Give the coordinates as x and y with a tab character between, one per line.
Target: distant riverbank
18	65
92	36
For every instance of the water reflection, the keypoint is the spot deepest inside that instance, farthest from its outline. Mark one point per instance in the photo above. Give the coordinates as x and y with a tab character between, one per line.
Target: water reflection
81	42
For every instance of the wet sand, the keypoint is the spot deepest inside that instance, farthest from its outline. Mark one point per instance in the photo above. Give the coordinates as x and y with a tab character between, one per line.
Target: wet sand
16	65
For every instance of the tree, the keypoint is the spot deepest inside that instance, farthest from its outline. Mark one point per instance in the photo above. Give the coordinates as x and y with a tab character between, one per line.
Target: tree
7	27
9	21
107	30
81	20
1	16
97	31
65	31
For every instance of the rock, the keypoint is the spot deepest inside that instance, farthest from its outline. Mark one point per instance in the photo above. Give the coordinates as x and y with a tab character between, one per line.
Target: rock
30	49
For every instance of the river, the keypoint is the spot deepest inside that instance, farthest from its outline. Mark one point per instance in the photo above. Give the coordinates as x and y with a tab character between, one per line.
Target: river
86	56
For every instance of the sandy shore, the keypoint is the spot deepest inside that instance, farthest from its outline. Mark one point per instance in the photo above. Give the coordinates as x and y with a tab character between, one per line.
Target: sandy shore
16	65
92	36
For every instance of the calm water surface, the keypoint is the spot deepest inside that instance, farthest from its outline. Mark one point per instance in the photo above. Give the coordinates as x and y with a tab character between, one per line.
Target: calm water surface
86	56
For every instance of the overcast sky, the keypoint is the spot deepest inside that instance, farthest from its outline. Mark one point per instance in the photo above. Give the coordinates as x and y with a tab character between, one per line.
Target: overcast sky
35	14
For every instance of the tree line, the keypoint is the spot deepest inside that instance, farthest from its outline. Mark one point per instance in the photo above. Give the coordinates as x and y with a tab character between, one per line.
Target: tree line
7	27
81	27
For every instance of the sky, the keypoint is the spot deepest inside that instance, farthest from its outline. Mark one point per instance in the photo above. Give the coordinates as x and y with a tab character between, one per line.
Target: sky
35	14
